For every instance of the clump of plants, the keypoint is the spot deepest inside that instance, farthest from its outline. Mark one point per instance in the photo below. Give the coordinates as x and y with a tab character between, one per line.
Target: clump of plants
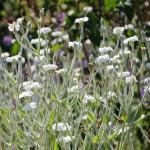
57	99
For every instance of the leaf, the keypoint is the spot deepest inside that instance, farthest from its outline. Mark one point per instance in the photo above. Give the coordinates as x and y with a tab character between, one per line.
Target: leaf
133	116
55	147
105	118
51	118
124	117
110	4
56	47
95	139
91	116
113	136
15	48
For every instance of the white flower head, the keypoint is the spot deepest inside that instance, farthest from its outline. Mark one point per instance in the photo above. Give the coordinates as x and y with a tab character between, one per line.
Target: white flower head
13	26
118	30
102	59
30	106
20	20
130	79
130	39
36	41
125	52
16	58
146	80
61	127
124	74
115	59
29	85
65	37
84	117
111	94
105	49
81	20
64	139
75	44
110	68
50	67
45	30
88	98
5	55
56	34
73	89
71	12
26	94
87	9
61	71
44	43
129	26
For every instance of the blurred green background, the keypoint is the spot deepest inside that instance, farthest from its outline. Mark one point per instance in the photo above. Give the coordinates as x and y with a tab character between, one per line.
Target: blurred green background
60	15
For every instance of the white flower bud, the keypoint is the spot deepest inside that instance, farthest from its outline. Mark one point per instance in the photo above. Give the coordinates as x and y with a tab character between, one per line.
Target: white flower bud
118	30
81	20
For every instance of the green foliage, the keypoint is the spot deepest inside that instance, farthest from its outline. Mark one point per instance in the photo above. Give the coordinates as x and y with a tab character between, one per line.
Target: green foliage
110	4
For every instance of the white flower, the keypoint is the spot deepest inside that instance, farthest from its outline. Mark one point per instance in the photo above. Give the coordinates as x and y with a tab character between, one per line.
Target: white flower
16	58
88	98
44	42
36	41
73	89
111	94
29	85
56	33
42	51
26	94
61	71
115	59
122	130
102	59
71	12
88	42
19	20
61	127
84	117
64	139
110	68
5	55
30	106
13	41
14	26
148	39
146	80
50	67
124	74
147	66
130	39
105	49
81	20
126	52
118	30
40	58
87	9
65	37
45	30
75	44
142	116
129	26
130	79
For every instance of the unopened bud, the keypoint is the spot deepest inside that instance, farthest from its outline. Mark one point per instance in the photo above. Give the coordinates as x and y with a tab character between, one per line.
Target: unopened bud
42	13
29	25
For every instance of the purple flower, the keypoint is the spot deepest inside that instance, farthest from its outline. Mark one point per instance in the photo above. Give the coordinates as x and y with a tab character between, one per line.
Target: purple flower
142	92
85	63
60	17
7	40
